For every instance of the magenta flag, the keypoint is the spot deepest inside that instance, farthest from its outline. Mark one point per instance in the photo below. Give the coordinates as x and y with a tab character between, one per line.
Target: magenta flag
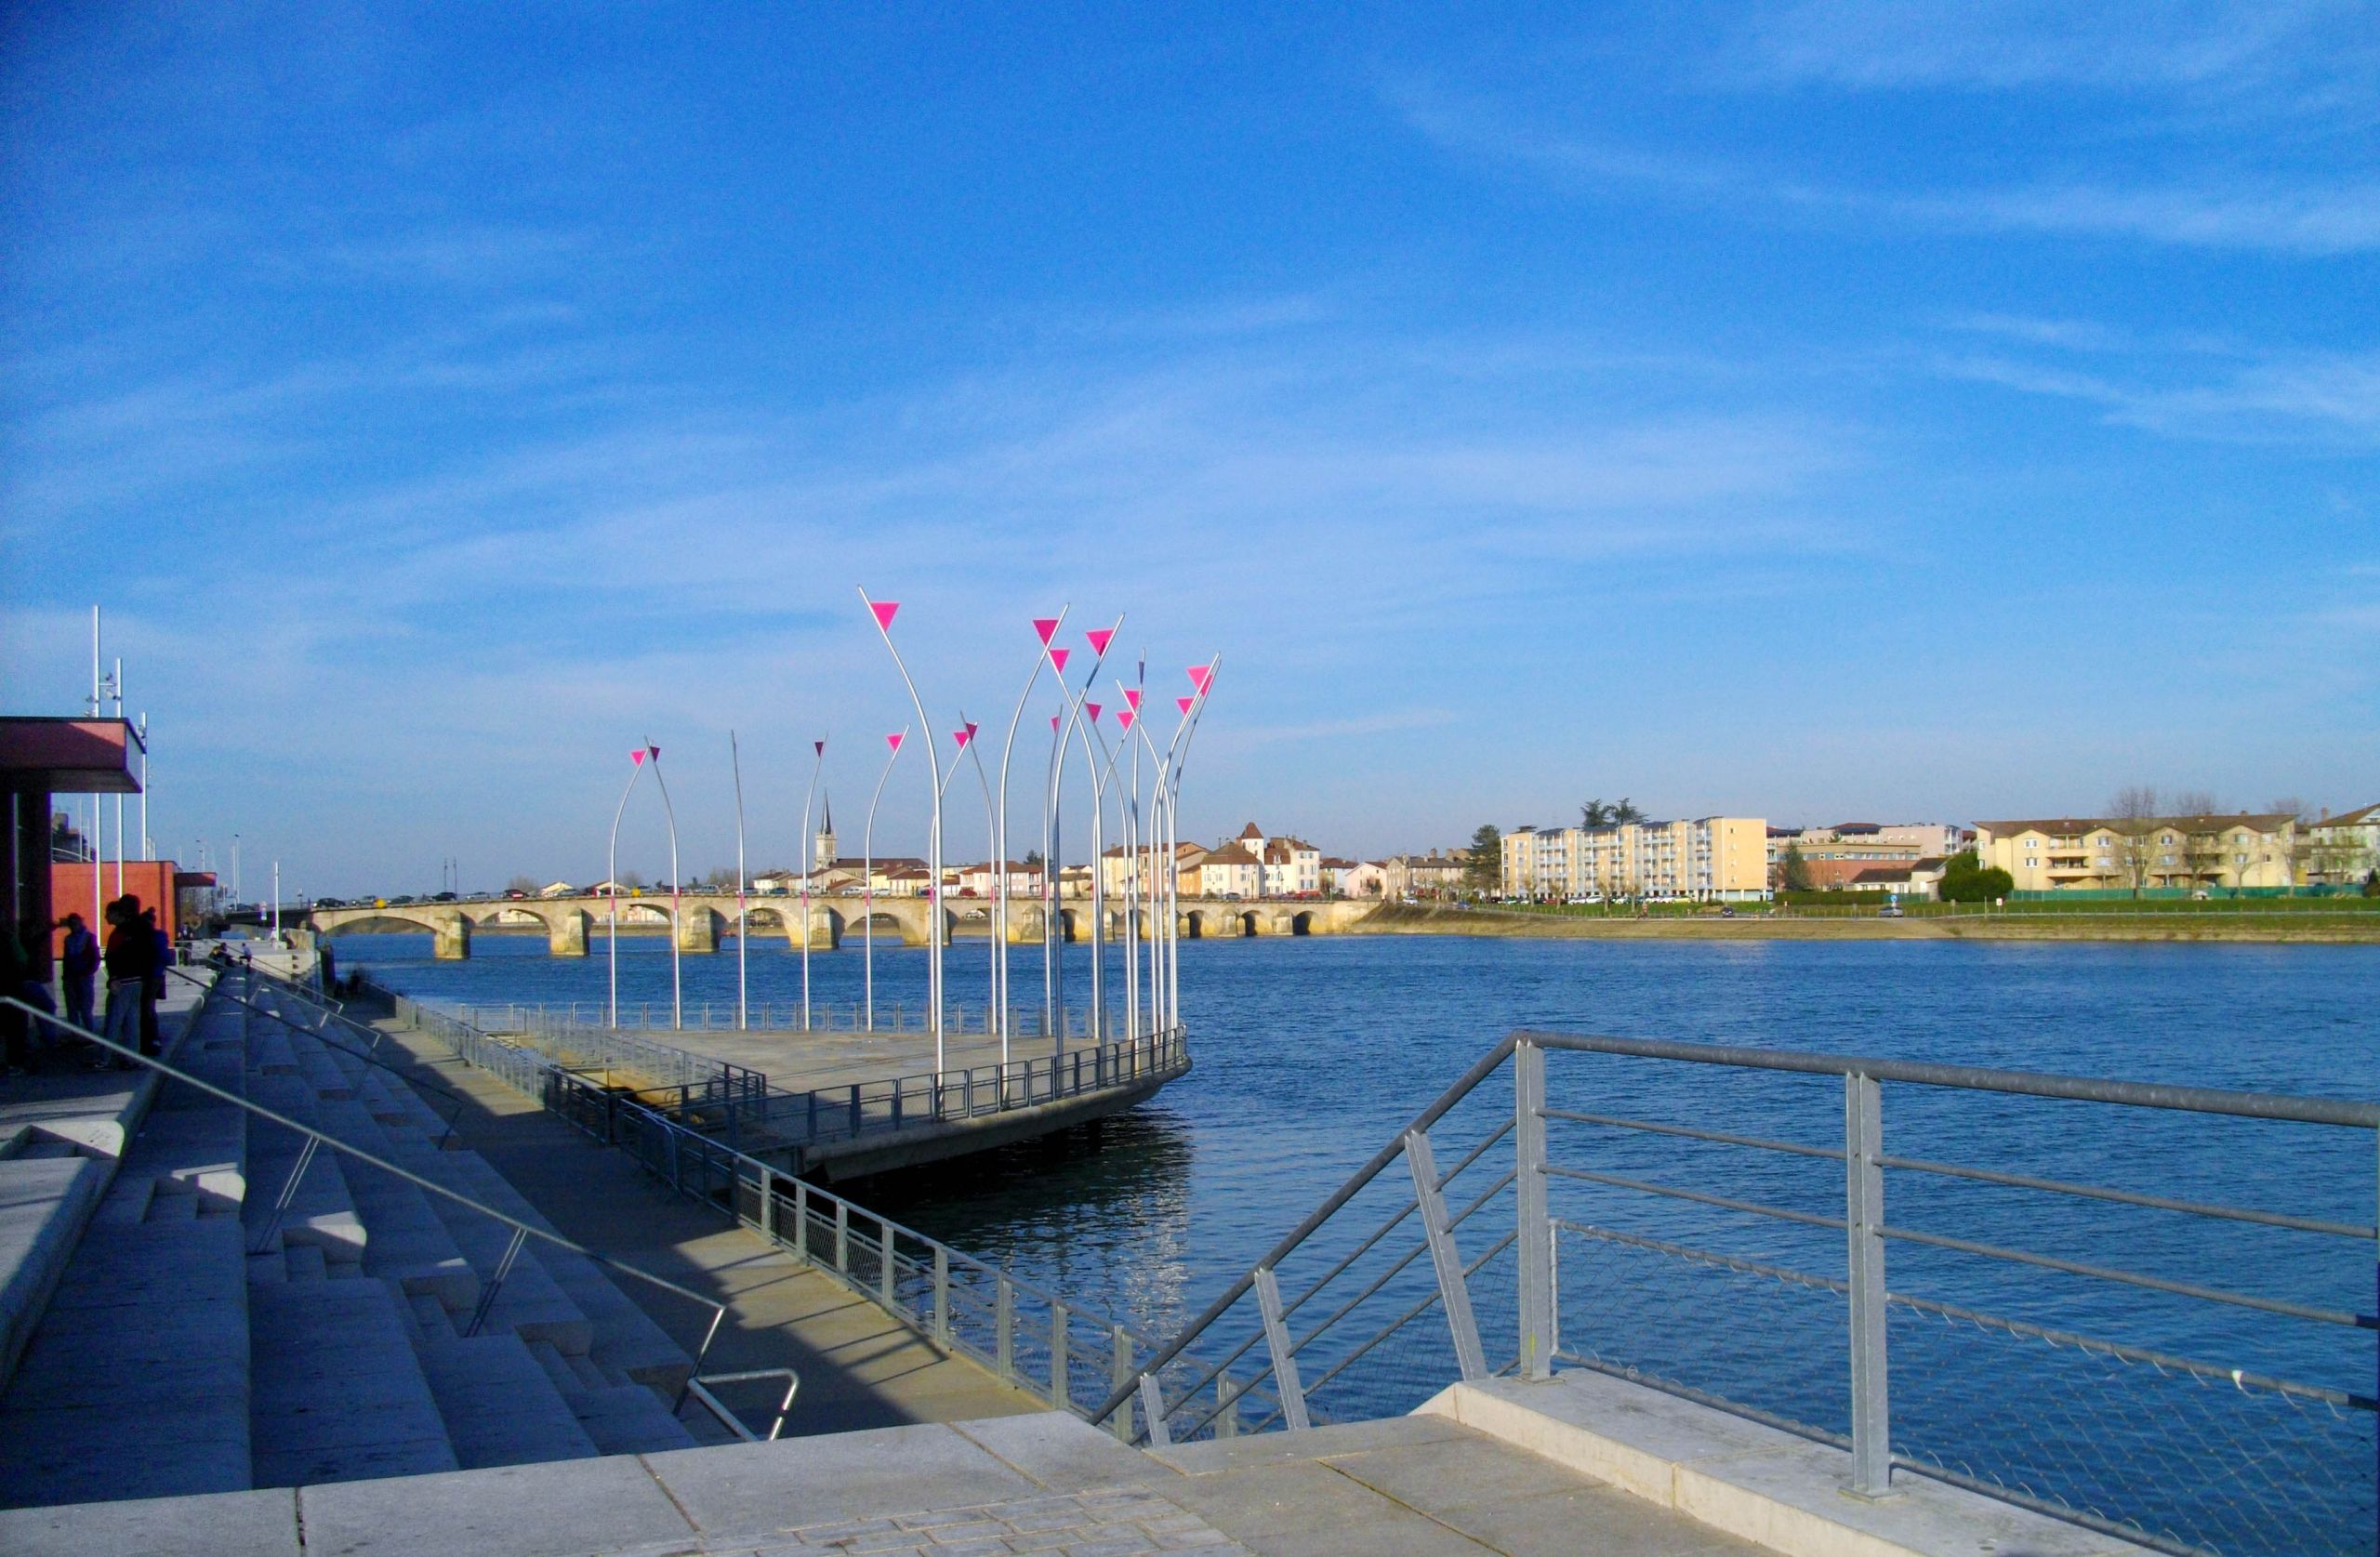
1200	676
960	737
1132	697
884	611
818	746
892	741
1183	704
1047	626
1053	721
1092	709
1124	718
1058	657
637	757
1098	638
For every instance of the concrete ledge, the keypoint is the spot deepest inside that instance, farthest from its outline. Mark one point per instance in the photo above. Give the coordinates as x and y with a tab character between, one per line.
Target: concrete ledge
1751	1482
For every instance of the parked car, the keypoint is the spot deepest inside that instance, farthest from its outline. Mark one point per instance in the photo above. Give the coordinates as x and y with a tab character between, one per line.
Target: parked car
1891	911
444	897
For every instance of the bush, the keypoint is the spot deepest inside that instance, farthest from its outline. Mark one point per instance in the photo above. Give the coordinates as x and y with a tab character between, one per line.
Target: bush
1965	880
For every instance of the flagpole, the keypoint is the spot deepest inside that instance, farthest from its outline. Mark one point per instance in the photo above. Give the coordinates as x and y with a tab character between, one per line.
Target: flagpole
868	877
1047	626
883	612
809	852
743	906
677	887
612	882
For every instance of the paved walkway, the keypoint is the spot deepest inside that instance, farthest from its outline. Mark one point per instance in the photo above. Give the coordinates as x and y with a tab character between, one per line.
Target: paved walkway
859	1366
796	1061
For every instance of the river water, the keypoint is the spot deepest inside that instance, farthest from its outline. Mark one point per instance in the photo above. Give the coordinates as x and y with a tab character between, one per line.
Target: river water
1311	1053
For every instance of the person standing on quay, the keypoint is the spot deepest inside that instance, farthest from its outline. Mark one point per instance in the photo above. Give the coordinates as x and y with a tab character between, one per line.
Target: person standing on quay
78	966
130	954
161	957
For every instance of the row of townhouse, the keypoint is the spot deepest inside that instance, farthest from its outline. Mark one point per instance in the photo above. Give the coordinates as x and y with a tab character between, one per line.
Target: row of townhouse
1709	859
2225	852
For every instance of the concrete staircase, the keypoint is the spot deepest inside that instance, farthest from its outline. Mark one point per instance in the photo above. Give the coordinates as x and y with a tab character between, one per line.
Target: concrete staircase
200	1340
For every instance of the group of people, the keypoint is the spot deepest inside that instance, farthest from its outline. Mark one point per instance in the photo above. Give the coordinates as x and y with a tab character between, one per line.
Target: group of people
135	955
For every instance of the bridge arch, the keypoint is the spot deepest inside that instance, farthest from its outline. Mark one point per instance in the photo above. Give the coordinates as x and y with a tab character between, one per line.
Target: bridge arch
1248	923
1302	922
1193	925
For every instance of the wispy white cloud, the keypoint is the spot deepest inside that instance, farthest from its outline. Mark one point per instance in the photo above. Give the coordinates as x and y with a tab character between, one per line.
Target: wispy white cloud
2284	213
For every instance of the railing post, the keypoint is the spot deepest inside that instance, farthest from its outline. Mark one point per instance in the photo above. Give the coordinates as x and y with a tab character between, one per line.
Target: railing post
1004	1329
842	1237
1120	1376
1540	1319
885	1240
768	1206
942	1296
855	1108
1276	1341
1058	1393
802	1221
1153	1412
1454	1293
1872	1446
1227	1397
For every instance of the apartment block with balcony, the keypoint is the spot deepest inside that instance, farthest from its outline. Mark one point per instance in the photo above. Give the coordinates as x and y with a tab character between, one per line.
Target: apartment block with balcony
2230	852
1709	859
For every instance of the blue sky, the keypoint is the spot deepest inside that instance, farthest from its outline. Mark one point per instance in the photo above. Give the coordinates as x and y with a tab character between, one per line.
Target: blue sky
1894	411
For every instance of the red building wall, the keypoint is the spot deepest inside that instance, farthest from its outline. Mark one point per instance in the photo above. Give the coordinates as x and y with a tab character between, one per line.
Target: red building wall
150	881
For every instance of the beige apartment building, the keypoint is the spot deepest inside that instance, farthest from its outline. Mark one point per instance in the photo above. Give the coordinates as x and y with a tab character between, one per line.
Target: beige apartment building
1709	859
2343	849
2108	853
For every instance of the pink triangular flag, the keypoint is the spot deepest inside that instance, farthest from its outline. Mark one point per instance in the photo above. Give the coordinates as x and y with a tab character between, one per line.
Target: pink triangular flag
818	746
1098	636
884	610
972	726
1132	697
1053	721
960	737
1184	704
1058	657
637	757
1200	676
1047	626
1124	718
1092	709
892	741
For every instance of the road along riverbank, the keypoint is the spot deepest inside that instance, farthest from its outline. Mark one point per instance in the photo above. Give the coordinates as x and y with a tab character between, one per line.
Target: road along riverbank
2276	927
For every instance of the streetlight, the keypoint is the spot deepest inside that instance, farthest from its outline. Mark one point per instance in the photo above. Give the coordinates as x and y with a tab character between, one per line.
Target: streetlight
883	612
867	877
611	883
809	852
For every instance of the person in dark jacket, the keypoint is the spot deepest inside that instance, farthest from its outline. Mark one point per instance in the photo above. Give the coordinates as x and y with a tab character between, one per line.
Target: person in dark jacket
131	953
161	957
78	966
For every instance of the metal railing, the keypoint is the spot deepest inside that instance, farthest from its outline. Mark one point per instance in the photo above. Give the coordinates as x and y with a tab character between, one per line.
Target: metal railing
840	1017
696	1382
2171	1340
737	1105
1063	1355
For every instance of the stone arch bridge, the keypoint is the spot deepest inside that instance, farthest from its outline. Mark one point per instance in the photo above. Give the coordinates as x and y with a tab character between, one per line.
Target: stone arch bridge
571	924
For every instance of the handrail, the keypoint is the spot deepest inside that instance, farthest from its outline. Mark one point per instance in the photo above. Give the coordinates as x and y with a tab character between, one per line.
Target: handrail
521	1230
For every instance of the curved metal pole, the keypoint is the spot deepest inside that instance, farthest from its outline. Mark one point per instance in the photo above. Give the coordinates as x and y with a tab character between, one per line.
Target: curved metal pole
867	877
992	1013
1098	897
743	908
1180	753
1051	979
1000	906
809	852
1106	784
612	882
883	619
677	986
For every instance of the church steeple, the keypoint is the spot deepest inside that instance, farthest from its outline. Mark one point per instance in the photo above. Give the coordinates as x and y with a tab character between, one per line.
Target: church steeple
824	846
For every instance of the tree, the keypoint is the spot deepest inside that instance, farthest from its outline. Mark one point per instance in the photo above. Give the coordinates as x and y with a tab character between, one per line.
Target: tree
521	884
1610	813
1032	858
2133	814
1965	879
721	880
632	879
1793	871
1485	867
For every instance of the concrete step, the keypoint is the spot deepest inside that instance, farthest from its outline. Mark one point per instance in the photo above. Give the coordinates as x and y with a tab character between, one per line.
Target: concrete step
338	1393
431	1319
530	1303
404	1241
500	1407
40	1150
304	1262
172	1208
627	1418
137	1382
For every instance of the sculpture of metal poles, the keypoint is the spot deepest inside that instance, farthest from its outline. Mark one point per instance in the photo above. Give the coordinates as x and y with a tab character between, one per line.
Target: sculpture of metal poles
1047	626
1124	717
1052	936
612	882
810	867
867	876
676	985
743	906
883	612
975	750
1203	678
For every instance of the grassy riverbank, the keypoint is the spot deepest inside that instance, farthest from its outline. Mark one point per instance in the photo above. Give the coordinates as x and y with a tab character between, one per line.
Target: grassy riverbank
2100	923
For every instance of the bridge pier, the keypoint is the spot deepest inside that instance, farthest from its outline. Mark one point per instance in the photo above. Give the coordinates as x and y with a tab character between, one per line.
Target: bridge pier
566	935
697	930
450	939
